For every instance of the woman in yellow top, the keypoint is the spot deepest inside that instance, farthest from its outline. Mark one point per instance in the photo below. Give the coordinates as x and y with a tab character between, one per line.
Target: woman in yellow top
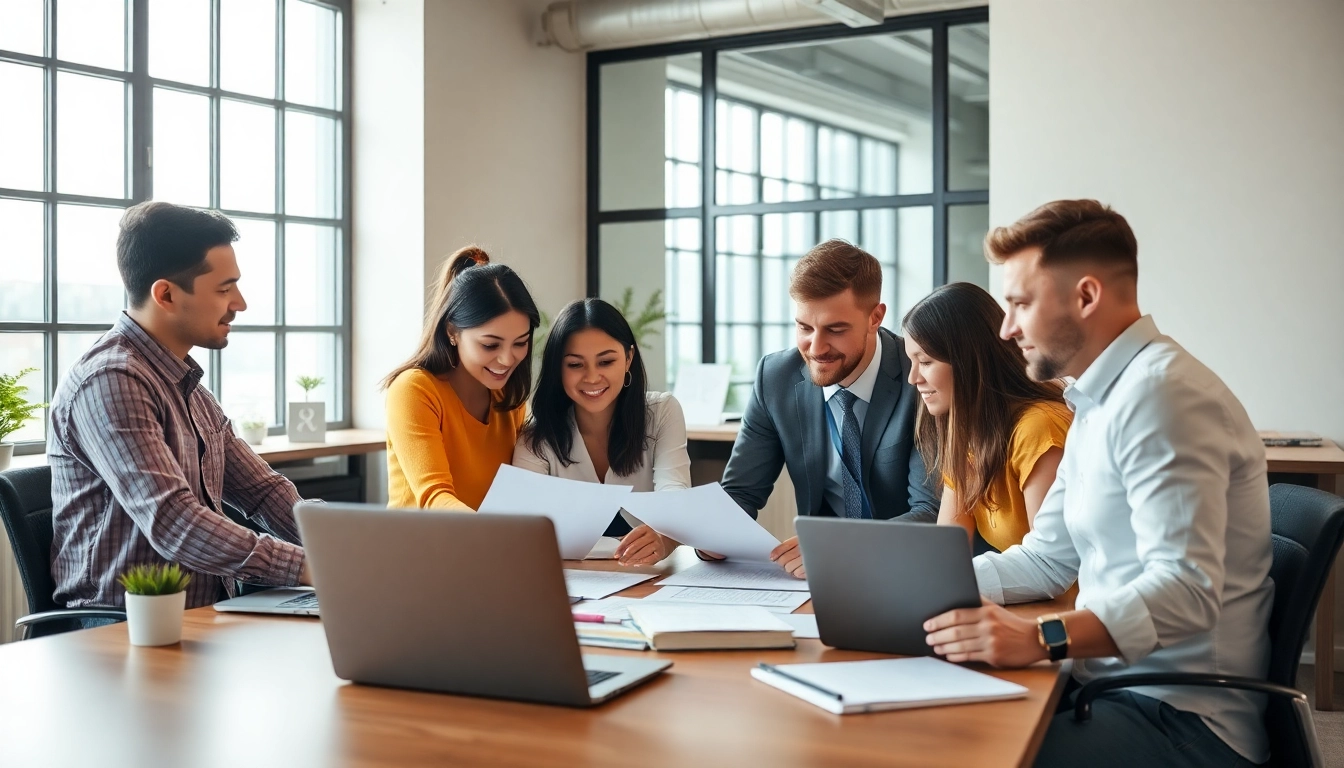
994	435
454	409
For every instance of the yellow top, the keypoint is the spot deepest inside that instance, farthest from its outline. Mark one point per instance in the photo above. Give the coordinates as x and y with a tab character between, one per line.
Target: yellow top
1041	426
438	455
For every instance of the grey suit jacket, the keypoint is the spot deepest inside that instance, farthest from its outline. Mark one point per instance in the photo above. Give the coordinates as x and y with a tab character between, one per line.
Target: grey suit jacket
784	424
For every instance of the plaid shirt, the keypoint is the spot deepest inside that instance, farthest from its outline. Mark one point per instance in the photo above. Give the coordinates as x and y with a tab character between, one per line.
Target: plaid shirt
142	458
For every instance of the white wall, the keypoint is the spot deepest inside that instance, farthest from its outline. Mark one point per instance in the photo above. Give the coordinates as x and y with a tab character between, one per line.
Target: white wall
1214	127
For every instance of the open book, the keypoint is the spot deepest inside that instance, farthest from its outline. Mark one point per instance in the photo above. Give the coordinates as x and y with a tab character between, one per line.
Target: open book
848	687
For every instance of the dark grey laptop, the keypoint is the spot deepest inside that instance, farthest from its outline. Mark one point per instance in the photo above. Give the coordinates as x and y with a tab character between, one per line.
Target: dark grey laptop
875	582
457	603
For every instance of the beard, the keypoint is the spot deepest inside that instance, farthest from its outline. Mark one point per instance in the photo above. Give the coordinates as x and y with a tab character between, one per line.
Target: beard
206	341
841	372
1055	353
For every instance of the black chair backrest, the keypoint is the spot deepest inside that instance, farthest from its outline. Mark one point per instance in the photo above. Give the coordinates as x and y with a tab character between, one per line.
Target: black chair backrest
25	506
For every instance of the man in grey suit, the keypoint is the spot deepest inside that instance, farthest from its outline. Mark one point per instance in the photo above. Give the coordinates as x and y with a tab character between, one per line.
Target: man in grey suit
839	410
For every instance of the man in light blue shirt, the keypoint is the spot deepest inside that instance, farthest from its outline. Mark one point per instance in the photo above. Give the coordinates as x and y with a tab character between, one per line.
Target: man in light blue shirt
1160	512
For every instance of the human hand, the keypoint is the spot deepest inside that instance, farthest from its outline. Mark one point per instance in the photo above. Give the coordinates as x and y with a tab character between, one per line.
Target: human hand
643	546
790	558
989	633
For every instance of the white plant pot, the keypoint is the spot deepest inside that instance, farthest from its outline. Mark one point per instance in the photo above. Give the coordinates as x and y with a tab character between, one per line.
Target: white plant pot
6	455
307	423
254	435
155	619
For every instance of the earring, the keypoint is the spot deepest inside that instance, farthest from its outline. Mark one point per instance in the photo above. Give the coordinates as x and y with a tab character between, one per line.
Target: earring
628	378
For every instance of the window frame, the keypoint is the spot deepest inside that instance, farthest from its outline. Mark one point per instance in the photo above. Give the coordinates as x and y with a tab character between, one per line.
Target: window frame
138	178
709	211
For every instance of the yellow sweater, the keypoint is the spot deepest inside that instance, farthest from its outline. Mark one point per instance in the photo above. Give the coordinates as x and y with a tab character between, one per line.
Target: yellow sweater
438	455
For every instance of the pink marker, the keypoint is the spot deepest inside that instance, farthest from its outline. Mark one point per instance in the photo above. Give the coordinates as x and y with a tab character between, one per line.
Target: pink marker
596	618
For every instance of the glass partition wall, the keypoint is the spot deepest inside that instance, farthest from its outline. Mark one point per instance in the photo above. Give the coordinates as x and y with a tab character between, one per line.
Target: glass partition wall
715	165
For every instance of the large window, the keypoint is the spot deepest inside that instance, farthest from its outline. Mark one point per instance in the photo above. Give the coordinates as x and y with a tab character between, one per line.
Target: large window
236	105
876	135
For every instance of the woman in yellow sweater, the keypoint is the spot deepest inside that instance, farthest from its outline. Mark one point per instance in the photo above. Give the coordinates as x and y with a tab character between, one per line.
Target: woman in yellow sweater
454	409
994	435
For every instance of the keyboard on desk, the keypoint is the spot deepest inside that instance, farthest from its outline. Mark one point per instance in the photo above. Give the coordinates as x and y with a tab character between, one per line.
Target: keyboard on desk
302	601
596	676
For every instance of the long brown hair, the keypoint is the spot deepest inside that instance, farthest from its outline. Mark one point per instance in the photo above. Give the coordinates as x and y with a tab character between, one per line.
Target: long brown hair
958	324
471	292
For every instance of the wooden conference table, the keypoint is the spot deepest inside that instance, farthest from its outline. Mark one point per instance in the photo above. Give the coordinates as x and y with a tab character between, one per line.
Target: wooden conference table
259	691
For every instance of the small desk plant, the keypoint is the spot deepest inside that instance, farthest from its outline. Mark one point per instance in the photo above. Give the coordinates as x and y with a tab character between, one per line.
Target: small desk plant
156	596
15	411
307	421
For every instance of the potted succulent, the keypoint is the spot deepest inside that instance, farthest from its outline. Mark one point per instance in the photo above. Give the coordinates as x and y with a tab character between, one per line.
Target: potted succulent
307	421
254	430
15	411
156	596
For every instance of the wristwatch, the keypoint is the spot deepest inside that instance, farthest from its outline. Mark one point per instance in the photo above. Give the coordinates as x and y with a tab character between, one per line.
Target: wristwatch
1054	636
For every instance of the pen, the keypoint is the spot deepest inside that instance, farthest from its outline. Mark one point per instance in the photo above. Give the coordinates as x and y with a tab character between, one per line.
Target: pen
772	669
596	618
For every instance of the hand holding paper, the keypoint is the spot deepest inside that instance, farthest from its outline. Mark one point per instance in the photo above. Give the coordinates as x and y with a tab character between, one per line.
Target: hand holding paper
704	517
580	511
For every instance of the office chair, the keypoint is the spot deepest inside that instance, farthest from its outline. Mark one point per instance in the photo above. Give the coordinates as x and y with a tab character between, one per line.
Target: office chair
1307	526
25	506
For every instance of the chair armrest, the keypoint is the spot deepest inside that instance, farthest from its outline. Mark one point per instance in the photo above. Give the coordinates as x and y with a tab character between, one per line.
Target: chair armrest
1082	708
25	623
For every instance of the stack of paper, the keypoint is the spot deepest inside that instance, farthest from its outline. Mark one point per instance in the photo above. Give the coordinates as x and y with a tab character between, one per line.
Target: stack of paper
729	575
703	627
846	687
776	601
593	585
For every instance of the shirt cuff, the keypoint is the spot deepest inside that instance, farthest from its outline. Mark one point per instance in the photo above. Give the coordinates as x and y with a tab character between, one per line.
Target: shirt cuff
286	563
1125	615
987	578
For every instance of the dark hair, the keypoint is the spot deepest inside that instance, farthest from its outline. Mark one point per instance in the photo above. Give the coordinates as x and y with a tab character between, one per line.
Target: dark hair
833	267
472	292
552	410
959	324
162	241
1069	231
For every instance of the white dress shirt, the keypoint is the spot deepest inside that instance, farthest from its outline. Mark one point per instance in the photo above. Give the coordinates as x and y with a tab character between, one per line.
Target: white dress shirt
666	465
862	388
1161	513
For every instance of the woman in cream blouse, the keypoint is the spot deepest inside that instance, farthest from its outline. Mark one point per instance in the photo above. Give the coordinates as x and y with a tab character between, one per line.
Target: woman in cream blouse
593	420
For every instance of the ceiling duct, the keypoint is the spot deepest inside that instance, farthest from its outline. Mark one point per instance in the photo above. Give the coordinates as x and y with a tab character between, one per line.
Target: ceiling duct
585	25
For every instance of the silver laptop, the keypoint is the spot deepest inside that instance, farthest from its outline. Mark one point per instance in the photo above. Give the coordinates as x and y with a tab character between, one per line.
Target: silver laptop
457	603
290	601
875	582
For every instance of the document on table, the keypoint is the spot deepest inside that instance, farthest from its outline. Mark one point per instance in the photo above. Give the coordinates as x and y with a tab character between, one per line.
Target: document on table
594	585
804	625
773	600
729	575
609	607
704	517
846	687
580	511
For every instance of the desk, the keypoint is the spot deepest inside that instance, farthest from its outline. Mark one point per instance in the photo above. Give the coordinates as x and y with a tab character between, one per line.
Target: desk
253	690
278	448
1326	463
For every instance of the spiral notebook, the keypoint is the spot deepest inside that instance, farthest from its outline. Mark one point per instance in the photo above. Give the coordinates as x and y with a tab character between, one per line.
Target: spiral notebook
850	687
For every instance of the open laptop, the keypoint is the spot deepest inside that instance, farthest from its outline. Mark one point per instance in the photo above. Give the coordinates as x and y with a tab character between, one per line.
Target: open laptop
875	582
466	604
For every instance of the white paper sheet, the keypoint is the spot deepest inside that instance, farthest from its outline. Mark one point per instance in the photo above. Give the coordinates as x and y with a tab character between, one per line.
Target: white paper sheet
859	686
773	600
702	389
804	625
653	618
610	607
704	517
580	511
594	585
730	575
604	549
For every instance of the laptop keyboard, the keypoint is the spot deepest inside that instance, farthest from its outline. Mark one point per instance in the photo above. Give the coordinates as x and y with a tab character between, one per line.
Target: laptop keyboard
308	600
596	676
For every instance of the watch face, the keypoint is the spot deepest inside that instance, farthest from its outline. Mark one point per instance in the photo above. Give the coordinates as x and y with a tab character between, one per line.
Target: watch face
1054	633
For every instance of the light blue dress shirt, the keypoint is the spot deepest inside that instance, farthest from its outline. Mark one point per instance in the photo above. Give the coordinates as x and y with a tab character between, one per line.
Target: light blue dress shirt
1161	513
862	388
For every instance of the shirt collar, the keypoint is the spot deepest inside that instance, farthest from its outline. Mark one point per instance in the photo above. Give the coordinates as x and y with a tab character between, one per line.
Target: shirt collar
1092	385
862	387
186	374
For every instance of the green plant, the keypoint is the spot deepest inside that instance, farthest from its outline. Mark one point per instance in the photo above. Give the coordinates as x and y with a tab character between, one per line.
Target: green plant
253	424
15	409
164	579
308	384
644	323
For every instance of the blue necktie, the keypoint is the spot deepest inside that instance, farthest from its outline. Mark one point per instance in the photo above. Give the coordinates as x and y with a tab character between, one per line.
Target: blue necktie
850	454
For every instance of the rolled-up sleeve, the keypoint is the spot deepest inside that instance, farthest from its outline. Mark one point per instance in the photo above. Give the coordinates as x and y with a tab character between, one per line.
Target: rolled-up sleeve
127	448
